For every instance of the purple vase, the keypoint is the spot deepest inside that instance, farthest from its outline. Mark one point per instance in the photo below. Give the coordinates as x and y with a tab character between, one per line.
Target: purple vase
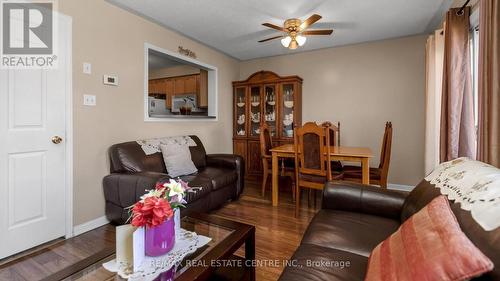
160	240
167	276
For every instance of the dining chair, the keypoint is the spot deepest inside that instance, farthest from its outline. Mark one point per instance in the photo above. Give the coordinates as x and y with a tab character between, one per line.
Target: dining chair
334	131
266	143
378	176
312	159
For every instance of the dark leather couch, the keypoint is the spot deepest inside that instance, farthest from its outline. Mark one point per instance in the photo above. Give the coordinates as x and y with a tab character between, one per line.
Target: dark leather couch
355	218
133	172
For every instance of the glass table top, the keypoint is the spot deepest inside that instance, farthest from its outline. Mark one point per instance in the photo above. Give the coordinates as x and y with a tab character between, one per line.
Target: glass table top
216	232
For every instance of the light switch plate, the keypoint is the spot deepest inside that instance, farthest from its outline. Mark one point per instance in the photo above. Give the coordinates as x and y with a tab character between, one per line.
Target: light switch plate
89	100
87	68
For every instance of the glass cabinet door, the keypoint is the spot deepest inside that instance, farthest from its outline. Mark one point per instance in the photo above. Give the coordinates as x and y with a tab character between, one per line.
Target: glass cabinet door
270	106
255	111
240	112
287	117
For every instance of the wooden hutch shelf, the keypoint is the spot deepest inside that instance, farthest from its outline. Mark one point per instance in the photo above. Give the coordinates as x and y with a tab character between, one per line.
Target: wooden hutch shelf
264	97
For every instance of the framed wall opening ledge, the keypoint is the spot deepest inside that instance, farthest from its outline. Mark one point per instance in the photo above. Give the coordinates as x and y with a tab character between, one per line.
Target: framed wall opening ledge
178	87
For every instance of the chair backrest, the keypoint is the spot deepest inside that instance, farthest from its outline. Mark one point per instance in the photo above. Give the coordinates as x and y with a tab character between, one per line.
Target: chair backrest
334	131
312	150
385	152
266	141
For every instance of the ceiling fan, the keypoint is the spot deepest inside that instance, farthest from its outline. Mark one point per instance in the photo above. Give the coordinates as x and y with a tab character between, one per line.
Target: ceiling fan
295	31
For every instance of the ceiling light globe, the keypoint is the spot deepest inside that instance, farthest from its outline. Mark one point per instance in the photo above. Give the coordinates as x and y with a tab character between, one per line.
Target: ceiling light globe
286	41
301	40
293	45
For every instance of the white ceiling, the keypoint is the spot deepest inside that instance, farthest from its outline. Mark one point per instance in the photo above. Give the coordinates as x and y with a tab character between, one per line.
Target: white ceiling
234	26
157	60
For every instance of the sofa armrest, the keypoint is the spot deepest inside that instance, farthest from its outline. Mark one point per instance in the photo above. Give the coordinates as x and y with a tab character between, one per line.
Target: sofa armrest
230	161
125	190
354	197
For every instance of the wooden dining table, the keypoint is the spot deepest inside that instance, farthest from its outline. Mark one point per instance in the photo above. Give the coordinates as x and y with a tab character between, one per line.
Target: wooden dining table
340	153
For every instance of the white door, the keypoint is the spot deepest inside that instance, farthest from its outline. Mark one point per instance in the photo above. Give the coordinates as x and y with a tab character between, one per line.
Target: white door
32	166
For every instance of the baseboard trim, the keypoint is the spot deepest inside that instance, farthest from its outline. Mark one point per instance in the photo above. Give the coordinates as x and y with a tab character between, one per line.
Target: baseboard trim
90	225
401	187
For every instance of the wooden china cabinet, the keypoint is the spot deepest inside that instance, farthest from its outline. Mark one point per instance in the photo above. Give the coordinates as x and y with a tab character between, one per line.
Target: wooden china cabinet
264	97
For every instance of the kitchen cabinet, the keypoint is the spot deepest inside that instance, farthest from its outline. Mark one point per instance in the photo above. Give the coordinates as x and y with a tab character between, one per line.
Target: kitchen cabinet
190	84
169	90
182	85
179	84
203	88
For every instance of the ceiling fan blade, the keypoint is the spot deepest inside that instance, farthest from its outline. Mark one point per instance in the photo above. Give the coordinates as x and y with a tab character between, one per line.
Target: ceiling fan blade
268	39
311	20
270	25
317	32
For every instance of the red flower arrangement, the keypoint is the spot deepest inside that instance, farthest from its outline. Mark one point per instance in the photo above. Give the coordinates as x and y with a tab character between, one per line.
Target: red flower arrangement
157	206
152	212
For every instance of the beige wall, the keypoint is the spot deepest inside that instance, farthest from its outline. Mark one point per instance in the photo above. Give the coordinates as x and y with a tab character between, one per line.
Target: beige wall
362	86
112	40
173	71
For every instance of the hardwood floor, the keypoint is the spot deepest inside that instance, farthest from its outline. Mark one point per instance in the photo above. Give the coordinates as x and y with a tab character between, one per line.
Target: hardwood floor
50	260
278	233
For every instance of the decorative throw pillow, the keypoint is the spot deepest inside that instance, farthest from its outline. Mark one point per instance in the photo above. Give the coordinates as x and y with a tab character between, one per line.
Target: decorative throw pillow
177	159
428	246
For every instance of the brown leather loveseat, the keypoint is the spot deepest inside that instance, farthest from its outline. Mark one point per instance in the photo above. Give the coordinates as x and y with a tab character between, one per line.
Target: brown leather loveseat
355	218
133	172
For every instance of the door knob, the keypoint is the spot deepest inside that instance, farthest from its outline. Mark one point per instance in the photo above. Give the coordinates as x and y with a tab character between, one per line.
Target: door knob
56	139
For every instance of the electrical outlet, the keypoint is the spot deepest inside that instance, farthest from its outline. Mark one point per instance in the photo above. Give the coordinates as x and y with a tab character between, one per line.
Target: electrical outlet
89	100
87	68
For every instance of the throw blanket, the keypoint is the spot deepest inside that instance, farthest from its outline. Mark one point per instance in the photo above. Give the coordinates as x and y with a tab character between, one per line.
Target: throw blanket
152	146
473	184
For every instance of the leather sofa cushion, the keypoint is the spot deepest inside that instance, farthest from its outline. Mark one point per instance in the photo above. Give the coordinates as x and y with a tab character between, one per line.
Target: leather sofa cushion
418	198
357	233
219	176
198	153
129	157
307	265
125	189
197	180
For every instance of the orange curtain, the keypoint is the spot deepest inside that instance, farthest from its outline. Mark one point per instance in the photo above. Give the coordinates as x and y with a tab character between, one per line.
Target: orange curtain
457	137
489	82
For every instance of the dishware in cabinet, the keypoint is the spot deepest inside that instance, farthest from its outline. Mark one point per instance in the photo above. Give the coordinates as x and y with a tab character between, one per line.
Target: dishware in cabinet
240	112
255	110
290	108
265	93
270	108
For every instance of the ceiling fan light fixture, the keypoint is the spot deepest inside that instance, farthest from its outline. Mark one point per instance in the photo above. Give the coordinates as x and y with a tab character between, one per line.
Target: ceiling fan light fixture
301	40
285	41
294	31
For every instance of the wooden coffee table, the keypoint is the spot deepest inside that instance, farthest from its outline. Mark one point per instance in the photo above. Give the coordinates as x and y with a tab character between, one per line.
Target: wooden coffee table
215	261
